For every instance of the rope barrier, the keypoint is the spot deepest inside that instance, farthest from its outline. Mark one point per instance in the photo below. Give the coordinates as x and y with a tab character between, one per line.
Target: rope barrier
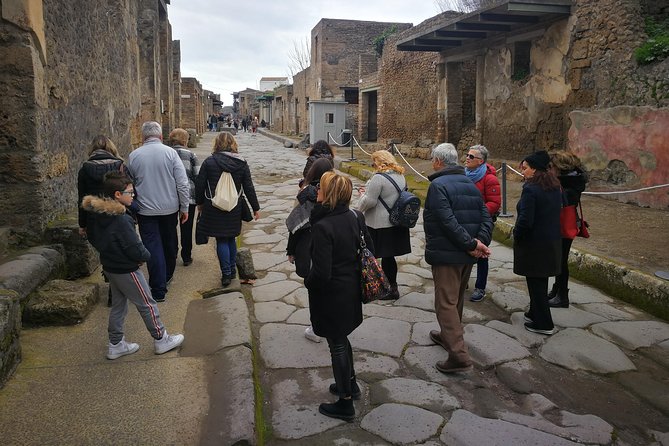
335	141
407	162
626	191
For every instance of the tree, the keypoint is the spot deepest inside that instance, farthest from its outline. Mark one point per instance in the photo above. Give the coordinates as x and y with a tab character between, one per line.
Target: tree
299	57
463	5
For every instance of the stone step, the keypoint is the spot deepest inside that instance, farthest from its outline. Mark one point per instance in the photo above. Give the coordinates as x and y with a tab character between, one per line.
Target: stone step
60	302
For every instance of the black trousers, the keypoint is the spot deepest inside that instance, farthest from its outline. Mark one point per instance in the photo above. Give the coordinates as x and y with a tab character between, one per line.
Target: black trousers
562	281
342	364
540	311
389	267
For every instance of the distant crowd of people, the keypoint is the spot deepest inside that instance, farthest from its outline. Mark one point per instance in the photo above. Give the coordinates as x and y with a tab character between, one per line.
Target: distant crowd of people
246	123
162	186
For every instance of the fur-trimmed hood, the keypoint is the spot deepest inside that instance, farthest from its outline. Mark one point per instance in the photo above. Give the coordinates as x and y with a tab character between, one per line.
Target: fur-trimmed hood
100	205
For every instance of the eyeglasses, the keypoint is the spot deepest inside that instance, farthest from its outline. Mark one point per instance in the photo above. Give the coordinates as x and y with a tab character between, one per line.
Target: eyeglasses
472	157
128	192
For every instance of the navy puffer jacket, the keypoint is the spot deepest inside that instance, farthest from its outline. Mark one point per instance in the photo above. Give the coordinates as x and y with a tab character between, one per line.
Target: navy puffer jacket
454	216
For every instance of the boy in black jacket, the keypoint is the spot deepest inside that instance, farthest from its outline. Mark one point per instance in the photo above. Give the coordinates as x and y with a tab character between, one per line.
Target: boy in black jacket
121	254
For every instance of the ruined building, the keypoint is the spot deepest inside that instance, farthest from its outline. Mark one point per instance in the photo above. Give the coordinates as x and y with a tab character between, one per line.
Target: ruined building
71	70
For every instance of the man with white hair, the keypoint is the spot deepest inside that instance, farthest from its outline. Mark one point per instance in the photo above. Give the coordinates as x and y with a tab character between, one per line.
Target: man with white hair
163	194
458	229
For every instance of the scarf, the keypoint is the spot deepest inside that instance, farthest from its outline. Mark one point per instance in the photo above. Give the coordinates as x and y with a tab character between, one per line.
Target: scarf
476	174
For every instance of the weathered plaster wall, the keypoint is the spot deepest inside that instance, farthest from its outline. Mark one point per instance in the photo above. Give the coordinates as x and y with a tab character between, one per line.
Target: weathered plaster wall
409	89
625	148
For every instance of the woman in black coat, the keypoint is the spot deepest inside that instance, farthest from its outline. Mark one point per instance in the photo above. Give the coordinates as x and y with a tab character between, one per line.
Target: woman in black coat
223	225
569	171
333	283
537	244
103	157
320	149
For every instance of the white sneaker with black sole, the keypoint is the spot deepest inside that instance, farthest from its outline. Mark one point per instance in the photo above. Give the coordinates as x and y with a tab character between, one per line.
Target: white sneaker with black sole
167	342
121	349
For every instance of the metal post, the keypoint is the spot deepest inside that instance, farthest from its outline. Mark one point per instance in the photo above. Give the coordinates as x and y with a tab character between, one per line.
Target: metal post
504	213
350	141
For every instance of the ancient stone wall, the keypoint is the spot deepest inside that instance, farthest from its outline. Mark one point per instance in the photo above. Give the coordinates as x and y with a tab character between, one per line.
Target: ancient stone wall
585	62
176	81
409	94
192	110
301	101
87	67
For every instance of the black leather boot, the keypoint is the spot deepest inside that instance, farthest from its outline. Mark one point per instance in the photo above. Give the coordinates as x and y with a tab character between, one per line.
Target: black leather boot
561	300
394	293
342	409
355	389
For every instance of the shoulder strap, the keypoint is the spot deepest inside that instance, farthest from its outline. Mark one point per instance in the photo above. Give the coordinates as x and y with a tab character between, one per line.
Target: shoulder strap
399	191
362	234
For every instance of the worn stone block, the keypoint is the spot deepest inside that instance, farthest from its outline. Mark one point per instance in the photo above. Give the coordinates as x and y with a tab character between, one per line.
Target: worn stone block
60	302
10	328
81	259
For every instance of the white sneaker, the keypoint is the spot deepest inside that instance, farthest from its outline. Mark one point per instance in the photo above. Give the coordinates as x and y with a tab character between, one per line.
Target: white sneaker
309	334
121	349
167	343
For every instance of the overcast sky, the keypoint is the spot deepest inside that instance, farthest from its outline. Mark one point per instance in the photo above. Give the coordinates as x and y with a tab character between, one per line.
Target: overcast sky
229	45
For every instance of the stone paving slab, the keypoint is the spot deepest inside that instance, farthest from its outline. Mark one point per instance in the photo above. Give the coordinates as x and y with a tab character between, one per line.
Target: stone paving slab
274	291
272	311
402	424
430	396
299	297
574	318
655	391
397	313
467	429
394	336
489	347
608	311
271	277
577	349
633	334
418	300
264	261
284	346
300	317
511	301
374	366
425	273
517	331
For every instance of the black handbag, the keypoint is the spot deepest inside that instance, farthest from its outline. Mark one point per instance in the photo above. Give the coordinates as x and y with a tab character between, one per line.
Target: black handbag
200	237
247	215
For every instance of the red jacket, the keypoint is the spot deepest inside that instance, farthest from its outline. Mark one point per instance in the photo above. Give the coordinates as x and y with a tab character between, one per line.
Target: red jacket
490	190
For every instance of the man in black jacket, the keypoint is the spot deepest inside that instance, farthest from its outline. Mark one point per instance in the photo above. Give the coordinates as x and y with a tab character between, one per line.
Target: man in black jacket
458	229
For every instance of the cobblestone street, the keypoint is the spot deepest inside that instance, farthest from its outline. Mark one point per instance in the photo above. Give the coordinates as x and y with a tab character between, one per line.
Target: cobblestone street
601	380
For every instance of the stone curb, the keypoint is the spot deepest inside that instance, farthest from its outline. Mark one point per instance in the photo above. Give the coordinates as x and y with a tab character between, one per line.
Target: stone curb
640	289
282	139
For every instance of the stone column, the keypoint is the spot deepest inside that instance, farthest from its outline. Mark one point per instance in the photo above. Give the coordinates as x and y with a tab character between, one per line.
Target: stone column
453	102
166	104
176	82
149	68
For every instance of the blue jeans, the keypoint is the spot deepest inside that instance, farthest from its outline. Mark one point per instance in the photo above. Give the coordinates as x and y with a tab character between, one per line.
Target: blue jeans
159	235
226	249
481	274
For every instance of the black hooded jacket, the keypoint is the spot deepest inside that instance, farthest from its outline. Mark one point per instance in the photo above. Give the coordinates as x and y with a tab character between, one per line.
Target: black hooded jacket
91	175
113	235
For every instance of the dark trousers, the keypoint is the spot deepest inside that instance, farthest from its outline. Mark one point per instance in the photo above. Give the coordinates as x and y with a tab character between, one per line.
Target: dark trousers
562	281
481	274
540	311
389	267
342	364
159	235
187	235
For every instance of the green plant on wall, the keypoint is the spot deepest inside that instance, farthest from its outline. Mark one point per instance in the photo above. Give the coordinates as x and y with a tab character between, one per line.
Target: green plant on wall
657	46
380	40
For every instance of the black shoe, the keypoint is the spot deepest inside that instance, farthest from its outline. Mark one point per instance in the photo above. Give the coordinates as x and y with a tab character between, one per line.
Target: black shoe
554	291
225	281
529	326
394	293
188	262
527	317
159	299
342	409
560	301
355	389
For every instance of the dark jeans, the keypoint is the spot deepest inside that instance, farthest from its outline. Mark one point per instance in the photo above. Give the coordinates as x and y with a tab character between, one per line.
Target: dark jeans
159	235
342	364
187	235
481	274
562	281
389	267
540	311
226	249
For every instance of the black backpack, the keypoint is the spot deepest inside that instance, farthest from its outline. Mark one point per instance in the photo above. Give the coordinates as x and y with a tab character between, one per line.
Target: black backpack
405	210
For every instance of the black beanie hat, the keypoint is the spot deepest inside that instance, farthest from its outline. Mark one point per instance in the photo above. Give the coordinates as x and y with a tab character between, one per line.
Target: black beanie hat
538	160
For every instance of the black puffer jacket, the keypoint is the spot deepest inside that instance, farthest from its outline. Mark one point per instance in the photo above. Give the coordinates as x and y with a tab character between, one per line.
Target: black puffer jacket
91	175
213	221
113	235
454	216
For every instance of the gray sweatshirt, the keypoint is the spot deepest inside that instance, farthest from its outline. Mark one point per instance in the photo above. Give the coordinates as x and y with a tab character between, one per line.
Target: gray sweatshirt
161	183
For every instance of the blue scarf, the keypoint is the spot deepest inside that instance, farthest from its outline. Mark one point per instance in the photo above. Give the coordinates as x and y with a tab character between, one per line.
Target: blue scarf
476	174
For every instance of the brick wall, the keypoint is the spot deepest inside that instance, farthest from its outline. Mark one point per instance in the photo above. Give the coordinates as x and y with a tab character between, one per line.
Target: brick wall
192	108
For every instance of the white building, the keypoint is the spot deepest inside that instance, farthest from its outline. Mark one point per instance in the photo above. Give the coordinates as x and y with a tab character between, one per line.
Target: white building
269	83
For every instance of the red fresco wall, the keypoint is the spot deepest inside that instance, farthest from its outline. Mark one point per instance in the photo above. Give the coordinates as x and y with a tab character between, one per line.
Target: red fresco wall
635	136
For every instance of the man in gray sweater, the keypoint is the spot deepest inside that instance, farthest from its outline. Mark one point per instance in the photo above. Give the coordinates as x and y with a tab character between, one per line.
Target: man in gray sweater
163	192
